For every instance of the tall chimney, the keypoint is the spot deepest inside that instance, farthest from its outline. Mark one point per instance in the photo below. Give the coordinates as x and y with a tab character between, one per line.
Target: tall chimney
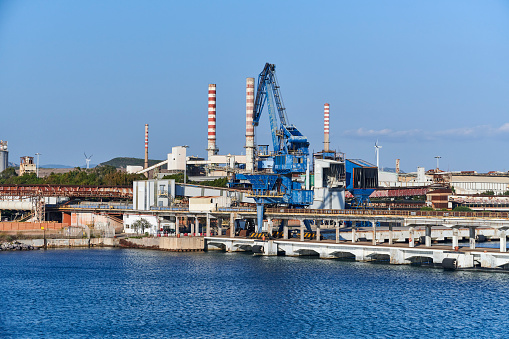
250	147
326	142
212	150
397	166
146	149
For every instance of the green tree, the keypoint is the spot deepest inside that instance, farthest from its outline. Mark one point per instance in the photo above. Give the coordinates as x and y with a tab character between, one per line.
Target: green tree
461	209
141	224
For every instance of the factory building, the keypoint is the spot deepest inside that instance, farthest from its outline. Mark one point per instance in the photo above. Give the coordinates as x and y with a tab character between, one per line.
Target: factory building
461	182
27	165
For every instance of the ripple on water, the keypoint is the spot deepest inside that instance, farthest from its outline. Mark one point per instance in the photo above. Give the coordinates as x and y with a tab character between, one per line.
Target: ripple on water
137	293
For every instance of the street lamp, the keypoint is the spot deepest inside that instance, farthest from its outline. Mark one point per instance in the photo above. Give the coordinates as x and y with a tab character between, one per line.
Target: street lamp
437	157
185	164
37	169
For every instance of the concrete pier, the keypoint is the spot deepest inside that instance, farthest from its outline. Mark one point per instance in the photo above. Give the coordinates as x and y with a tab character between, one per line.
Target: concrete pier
399	254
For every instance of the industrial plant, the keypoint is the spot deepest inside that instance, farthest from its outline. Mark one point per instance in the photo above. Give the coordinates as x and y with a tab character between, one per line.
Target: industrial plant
279	199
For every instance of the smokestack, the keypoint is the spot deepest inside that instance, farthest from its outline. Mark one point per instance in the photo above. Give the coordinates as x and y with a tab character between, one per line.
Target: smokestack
249	124
212	150
146	149
326	142
397	166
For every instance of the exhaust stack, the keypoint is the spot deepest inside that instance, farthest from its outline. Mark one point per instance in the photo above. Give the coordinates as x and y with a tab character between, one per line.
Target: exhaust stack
212	149
326	142
250	147
146	149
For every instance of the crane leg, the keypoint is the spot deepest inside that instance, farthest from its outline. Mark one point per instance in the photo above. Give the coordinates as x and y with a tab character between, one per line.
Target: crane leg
259	217
307	223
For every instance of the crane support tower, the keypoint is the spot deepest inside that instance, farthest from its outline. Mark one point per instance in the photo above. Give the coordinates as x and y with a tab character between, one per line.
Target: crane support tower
289	159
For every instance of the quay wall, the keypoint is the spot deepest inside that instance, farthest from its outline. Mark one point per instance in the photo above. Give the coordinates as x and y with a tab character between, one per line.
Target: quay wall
182	244
58	243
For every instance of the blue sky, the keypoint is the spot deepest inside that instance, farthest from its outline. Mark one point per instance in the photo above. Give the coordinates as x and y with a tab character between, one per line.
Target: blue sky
425	78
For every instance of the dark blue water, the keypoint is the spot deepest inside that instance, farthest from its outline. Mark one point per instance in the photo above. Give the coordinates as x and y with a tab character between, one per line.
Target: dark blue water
138	293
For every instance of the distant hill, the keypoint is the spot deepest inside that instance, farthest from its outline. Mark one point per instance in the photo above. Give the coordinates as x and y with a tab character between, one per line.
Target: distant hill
55	166
122	162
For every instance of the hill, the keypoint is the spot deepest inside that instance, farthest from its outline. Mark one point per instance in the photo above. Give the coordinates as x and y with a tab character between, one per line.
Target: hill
122	162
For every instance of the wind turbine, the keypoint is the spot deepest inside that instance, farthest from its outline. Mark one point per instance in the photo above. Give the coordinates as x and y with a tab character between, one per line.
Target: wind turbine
87	159
377	152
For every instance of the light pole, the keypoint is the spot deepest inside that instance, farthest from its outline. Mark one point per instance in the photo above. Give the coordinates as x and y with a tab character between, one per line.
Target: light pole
37	169
185	164
437	157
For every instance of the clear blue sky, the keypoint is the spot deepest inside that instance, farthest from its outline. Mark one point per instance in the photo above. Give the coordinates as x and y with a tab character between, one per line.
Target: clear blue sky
425	78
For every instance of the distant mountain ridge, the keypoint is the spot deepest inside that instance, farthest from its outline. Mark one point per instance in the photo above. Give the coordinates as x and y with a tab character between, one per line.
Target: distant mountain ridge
122	162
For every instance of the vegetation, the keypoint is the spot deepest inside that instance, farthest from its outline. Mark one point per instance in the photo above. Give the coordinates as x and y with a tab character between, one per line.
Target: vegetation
98	176
488	193
461	209
427	208
141	224
122	162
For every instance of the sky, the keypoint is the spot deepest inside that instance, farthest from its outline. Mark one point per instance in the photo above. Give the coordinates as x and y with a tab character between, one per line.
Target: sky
424	78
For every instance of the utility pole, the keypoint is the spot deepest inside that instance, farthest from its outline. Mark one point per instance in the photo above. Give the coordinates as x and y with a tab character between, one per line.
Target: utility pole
437	157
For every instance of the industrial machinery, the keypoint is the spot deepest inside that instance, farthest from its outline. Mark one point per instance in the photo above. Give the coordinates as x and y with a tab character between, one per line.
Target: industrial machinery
278	175
361	181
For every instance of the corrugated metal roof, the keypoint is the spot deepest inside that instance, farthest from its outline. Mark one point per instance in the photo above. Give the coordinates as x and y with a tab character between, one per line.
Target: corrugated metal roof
360	162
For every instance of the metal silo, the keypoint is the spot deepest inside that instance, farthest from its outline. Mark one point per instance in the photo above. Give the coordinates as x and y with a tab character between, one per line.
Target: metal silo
4	156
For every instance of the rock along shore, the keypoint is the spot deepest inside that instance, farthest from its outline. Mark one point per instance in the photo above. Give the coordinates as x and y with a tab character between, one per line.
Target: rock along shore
16	246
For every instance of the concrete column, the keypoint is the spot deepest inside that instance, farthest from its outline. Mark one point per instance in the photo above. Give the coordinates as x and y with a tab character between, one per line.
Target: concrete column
354	235
219	226
318	232
232	225
285	232
454	237
270	224
391	235
196	225
302	230
428	236
503	241
337	233
192	229
177	225
411	240
207	231
373	225
472	237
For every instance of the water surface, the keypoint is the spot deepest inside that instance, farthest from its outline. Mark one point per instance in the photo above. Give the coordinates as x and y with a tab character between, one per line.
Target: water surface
130	293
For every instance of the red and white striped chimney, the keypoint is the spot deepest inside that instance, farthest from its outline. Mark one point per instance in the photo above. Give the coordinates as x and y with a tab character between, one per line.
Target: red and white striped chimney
212	150
326	142
250	147
146	149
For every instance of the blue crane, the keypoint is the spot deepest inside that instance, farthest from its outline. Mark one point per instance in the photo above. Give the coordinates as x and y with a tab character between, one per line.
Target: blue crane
290	155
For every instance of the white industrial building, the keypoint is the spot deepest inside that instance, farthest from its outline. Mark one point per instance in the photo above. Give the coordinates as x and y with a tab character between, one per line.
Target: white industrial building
329	190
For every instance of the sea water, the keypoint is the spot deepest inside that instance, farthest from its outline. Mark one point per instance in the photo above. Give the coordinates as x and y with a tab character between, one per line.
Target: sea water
129	293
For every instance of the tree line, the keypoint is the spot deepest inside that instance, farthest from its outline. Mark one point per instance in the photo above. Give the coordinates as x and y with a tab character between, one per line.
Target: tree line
98	176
